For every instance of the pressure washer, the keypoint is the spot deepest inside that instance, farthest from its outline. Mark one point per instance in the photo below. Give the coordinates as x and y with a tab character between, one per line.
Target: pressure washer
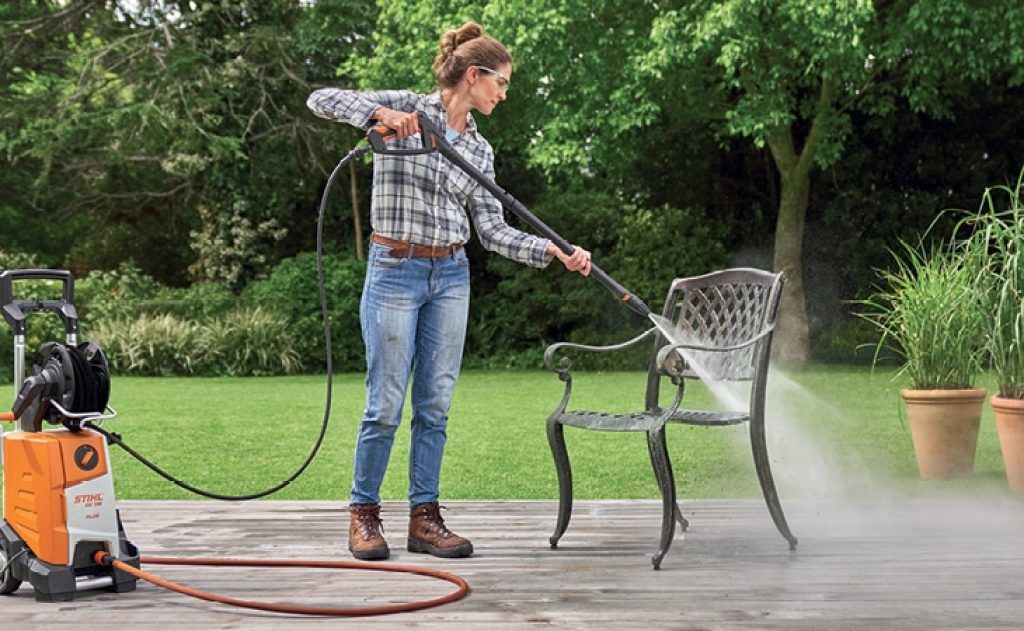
62	530
59	506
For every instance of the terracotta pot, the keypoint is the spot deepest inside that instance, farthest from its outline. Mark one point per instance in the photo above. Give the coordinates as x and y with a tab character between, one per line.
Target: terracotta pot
944	429
1010	425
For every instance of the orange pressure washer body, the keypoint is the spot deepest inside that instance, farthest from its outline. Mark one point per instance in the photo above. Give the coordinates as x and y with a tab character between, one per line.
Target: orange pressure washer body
59	509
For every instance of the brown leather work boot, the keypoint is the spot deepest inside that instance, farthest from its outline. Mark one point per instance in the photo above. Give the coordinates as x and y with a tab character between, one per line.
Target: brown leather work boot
365	540
427	533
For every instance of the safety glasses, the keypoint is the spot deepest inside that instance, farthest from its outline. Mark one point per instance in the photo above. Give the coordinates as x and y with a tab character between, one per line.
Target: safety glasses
502	80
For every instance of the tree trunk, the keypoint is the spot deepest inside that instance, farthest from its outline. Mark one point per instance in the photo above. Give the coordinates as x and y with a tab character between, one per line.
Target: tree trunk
793	344
793	336
357	223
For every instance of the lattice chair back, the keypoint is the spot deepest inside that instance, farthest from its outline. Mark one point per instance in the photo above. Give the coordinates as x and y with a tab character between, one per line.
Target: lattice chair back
723	309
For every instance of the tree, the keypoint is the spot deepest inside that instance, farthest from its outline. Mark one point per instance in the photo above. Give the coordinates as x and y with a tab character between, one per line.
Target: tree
787	75
178	130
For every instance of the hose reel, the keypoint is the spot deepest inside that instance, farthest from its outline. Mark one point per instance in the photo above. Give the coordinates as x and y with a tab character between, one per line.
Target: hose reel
69	385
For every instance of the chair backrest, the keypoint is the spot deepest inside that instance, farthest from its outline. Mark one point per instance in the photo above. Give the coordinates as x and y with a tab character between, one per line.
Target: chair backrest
721	309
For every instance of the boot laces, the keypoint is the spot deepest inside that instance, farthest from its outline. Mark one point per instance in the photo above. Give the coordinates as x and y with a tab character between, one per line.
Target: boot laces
435	523
369	523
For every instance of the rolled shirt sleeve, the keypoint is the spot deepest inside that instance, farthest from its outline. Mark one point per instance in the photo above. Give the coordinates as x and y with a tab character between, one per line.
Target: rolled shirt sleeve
494	232
357	108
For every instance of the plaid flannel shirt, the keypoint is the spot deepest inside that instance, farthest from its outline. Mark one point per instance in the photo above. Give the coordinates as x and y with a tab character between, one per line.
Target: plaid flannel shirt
424	198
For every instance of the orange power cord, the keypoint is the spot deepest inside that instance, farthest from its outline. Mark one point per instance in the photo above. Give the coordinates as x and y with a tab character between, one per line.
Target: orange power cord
104	558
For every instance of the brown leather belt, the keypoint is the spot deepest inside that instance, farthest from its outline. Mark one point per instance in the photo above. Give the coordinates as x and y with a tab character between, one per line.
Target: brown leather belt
400	249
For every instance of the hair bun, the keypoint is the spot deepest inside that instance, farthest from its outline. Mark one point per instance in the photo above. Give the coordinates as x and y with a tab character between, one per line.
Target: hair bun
457	37
467	32
449	42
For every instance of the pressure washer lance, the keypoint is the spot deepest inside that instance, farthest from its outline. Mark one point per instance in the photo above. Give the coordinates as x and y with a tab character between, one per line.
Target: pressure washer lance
432	140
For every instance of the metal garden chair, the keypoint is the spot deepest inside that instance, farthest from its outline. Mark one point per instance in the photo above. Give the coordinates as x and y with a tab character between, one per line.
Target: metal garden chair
722	325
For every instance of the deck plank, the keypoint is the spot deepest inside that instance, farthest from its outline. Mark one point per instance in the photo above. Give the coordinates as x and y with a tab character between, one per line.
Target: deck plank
918	563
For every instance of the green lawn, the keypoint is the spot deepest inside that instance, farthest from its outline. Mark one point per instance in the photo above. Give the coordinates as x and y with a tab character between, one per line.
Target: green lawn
833	430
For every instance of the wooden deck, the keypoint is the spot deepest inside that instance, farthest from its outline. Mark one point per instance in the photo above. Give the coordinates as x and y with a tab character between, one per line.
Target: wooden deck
906	564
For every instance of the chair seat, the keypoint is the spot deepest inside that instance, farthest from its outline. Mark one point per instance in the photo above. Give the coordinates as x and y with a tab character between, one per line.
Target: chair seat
705	417
646	421
604	421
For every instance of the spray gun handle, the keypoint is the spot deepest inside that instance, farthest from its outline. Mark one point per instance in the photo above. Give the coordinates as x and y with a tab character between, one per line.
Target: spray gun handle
379	135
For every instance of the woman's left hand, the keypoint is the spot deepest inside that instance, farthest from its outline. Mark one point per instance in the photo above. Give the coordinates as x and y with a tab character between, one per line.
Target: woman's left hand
578	261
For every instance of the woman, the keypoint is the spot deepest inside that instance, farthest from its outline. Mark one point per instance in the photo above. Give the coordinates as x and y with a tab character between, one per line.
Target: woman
416	295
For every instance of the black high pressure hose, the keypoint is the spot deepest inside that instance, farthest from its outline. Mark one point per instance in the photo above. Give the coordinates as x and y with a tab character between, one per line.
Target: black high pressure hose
115	439
378	137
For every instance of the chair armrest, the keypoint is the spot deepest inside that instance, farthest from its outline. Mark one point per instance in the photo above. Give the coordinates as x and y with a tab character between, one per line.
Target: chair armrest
565	363
671	370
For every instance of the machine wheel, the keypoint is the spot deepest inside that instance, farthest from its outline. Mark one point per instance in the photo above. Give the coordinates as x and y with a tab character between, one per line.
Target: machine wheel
8	584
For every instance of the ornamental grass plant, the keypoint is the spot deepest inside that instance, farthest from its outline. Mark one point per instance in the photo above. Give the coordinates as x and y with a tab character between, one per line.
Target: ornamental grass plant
930	311
997	236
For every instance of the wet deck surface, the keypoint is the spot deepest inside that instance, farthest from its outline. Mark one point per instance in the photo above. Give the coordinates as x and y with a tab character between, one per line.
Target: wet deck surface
898	564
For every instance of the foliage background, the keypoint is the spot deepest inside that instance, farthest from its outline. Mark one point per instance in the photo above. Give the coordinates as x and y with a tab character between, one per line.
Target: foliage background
162	151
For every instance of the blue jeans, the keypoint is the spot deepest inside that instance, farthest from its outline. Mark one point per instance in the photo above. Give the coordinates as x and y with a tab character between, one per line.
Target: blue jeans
413	314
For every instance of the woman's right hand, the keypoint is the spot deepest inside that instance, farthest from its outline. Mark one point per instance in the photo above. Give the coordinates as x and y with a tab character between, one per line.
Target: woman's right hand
405	124
578	261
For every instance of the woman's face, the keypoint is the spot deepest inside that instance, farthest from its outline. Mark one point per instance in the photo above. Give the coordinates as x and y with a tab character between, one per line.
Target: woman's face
489	86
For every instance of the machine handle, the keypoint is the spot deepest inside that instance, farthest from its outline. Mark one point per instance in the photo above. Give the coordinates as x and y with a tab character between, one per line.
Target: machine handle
8	277
14	310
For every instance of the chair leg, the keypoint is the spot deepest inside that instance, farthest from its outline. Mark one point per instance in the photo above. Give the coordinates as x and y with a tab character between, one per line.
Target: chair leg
556	440
683	524
663	473
764	474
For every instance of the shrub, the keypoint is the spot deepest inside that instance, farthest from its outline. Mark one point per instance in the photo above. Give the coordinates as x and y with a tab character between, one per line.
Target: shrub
158	345
13	259
851	341
291	290
200	301
122	293
658	245
250	341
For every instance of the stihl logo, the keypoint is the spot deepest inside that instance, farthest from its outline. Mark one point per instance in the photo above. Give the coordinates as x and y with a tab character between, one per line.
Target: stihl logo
89	499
